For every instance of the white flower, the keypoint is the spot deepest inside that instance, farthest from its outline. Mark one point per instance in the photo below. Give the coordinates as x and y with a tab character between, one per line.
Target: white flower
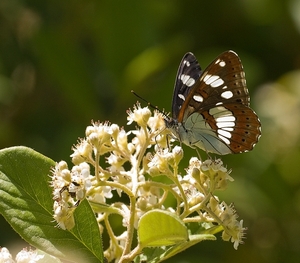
99	136
233	229
63	215
138	115
82	152
28	256
159	162
5	256
217	173
100	194
156	122
239	234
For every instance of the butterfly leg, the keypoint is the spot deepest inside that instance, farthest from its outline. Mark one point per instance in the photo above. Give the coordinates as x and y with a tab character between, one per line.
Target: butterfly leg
198	154
193	146
168	138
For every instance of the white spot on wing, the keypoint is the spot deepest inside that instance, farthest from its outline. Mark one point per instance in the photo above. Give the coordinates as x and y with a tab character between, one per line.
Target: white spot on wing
190	82
217	83
181	97
224	133
227	94
208	79
225	118
228	128
224	139
224	125
226	122
198	98
217	110
187	63
222	63
187	80
213	80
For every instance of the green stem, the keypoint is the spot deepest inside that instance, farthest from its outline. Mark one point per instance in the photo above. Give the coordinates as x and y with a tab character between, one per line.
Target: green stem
97	160
112	237
195	208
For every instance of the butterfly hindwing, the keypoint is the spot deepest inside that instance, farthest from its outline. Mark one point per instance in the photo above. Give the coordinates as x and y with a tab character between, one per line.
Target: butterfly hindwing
236	125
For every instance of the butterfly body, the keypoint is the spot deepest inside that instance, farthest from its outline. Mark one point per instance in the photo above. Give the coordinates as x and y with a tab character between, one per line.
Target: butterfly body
210	109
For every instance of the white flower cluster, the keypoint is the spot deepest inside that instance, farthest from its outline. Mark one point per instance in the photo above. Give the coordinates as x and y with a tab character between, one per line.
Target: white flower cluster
24	256
110	162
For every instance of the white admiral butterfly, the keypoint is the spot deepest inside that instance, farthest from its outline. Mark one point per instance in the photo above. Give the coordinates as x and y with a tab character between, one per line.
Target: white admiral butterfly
210	109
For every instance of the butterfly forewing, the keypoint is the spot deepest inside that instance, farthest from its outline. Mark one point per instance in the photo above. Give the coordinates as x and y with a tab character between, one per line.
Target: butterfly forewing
211	110
188	72
223	81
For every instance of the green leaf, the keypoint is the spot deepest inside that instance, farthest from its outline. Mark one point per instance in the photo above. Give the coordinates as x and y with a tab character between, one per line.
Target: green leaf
163	235
47	258
26	203
193	240
158	254
161	228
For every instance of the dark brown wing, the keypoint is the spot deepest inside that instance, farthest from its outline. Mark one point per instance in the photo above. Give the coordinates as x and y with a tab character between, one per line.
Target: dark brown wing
221	96
223	81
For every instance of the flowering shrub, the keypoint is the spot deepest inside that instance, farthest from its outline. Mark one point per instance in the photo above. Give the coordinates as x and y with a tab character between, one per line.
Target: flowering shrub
133	175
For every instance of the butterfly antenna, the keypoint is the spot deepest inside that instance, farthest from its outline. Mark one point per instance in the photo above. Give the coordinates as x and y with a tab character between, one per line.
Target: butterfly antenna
149	103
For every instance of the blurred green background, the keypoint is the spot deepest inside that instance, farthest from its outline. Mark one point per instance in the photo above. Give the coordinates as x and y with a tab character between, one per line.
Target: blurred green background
64	63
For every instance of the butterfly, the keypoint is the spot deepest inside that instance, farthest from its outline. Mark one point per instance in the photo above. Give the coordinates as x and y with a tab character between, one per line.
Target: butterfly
211	108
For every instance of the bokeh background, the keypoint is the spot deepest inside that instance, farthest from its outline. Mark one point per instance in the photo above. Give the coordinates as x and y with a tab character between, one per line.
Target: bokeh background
64	63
